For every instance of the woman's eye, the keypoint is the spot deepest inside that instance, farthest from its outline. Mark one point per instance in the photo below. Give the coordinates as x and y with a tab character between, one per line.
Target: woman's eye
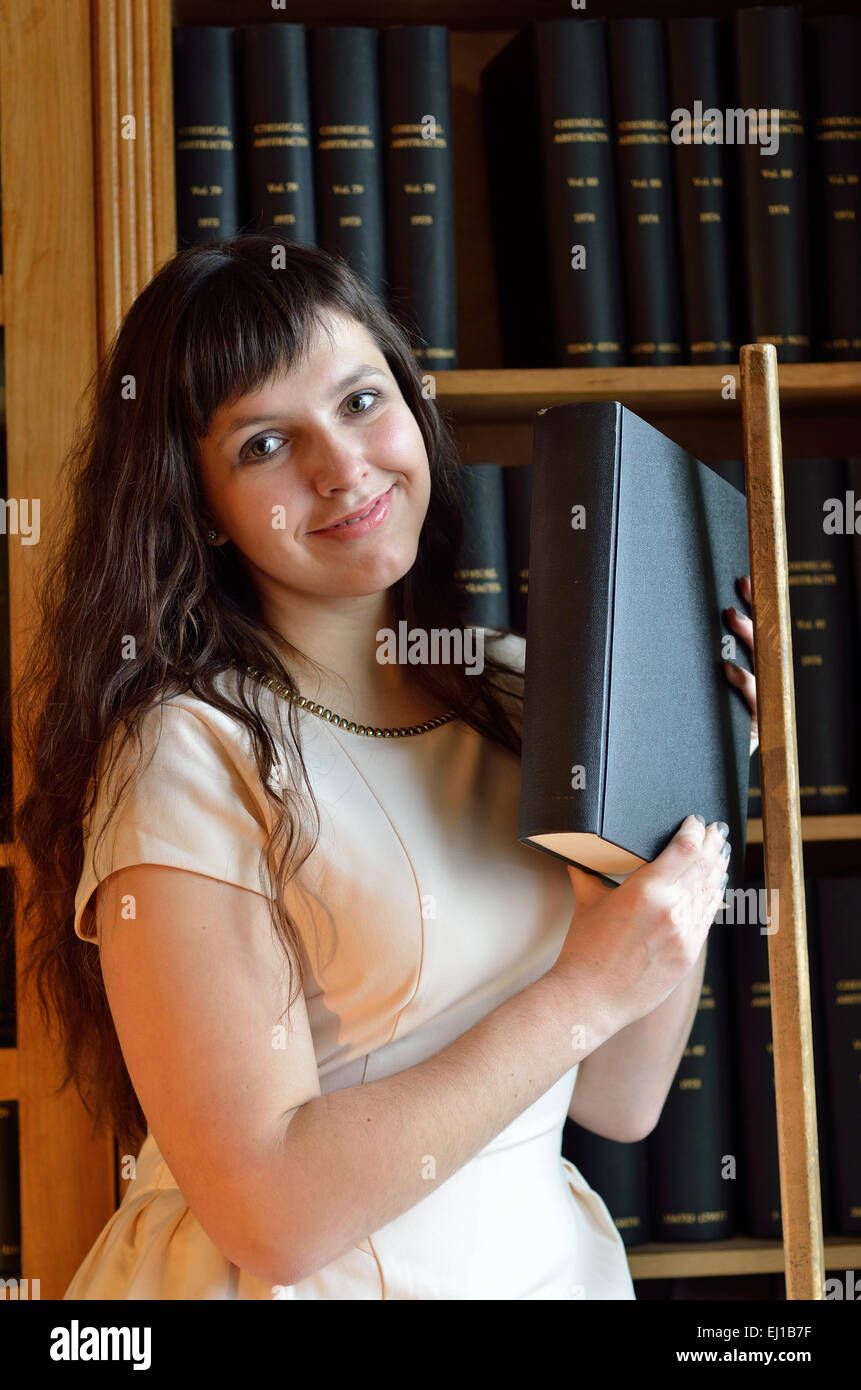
248	451
357	397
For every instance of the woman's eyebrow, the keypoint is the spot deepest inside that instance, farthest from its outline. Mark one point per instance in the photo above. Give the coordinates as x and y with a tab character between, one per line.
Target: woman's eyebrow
239	422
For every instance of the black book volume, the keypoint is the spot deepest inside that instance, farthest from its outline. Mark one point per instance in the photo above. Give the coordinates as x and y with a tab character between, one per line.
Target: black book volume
770	78
208	196
276	129
630	723
348	163
420	189
699	65
833	45
641	105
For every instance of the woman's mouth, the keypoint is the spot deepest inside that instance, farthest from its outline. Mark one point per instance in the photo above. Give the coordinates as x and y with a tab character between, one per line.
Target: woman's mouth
368	521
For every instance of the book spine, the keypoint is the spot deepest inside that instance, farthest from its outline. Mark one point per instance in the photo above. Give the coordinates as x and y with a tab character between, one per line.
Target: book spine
518	509
348	161
580	192
619	1173
840	943
833	43
693	1197
641	106
824	635
482	568
819	1030
204	106
746	913
773	167
10	1192
420	188
572	542
275	121
518	217
698	74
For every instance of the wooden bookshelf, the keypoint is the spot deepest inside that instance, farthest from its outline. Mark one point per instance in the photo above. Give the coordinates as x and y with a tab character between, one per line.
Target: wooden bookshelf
100	59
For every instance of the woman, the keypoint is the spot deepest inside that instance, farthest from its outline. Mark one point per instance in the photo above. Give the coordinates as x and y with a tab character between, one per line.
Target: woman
319	984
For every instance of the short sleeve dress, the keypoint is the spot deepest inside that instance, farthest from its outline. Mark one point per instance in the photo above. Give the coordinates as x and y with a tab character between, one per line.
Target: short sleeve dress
422	913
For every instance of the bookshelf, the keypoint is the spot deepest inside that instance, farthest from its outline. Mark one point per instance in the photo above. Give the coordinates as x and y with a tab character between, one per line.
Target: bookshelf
85	237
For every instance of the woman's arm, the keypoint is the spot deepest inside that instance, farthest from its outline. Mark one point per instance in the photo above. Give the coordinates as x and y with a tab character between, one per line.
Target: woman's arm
622	1086
284	1179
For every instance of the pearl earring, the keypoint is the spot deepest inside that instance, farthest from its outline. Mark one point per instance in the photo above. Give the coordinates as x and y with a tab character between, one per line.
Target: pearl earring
212	535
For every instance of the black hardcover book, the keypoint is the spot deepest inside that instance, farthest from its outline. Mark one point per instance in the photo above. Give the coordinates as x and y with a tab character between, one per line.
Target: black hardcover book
275	122
641	108
750	914
824	635
770	78
482	568
833	47
824	1108
518	508
518	216
747	913
693	1188
348	156
208	196
420	189
10	1192
699	76
619	1173
630	723
840	942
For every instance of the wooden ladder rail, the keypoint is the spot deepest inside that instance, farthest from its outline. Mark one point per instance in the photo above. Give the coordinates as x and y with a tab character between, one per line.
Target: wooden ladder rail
800	1199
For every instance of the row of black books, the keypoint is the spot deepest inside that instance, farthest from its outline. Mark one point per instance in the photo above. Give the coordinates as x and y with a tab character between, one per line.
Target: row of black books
822	504
659	191
709	1169
278	126
664	190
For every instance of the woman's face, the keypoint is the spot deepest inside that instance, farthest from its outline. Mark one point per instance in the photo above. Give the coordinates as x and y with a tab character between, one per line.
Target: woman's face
326	440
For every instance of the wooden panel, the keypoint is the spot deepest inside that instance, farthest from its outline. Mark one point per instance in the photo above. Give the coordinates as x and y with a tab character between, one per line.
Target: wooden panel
133	116
782	846
67	1185
8	1073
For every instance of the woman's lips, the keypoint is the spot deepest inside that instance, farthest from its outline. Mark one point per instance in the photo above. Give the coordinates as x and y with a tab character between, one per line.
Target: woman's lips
351	529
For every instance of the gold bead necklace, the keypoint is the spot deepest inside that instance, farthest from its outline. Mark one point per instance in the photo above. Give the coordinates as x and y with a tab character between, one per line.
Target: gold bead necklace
349	725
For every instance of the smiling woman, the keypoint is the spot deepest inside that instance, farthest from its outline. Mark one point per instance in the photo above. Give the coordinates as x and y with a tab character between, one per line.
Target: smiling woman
307	975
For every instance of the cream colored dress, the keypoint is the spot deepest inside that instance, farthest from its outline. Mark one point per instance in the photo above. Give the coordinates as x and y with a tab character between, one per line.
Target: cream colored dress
439	915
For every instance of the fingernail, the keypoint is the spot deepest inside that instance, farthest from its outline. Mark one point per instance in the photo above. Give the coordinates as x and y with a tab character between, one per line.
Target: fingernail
725	849
724	881
723	828
701	819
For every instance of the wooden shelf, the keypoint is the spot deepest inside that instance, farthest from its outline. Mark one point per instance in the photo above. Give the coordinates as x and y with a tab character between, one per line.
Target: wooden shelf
8	1073
513	394
2	304
742	1255
814	828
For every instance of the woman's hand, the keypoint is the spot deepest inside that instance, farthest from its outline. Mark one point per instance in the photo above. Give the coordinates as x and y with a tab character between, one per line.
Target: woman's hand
743	680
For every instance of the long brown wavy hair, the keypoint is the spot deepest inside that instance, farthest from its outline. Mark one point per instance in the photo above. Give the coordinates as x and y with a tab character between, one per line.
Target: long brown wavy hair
217	320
